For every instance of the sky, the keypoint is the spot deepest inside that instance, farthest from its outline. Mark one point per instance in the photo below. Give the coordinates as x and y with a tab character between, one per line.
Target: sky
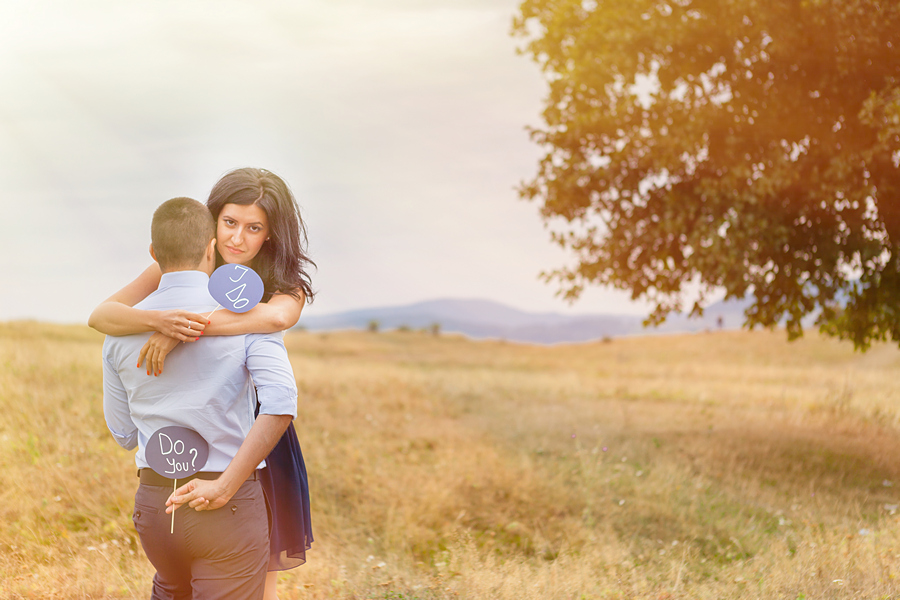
400	126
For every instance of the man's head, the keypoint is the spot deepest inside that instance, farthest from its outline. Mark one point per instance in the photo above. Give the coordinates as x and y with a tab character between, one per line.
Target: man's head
183	236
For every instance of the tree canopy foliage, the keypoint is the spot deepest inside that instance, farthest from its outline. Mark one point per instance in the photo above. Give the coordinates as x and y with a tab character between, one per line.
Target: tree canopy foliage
745	145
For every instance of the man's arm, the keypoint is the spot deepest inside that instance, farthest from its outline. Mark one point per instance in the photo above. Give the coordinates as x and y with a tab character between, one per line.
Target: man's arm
115	406
202	494
268	363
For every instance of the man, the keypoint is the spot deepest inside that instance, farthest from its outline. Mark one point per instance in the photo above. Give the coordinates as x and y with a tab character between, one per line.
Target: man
220	549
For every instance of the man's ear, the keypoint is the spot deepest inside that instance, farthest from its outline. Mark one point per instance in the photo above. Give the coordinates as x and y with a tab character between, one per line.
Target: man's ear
211	251
153	254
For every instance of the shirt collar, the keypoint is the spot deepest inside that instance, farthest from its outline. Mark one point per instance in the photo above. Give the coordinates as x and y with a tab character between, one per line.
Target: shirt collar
184	279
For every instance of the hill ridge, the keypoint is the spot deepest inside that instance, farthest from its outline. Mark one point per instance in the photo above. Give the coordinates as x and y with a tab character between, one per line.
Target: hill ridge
481	318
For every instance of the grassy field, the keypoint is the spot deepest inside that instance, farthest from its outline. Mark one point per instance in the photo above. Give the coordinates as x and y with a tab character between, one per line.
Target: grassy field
718	465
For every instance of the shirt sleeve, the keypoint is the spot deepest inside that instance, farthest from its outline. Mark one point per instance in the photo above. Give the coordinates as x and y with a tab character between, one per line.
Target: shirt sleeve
276	388
115	406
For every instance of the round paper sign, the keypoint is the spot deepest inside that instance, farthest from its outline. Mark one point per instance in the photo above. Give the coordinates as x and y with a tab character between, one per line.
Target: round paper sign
176	452
236	287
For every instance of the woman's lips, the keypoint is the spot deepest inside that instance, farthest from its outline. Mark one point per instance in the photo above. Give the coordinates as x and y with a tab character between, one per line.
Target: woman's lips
234	250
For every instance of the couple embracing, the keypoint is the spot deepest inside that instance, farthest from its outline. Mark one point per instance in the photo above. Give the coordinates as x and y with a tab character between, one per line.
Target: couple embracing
245	515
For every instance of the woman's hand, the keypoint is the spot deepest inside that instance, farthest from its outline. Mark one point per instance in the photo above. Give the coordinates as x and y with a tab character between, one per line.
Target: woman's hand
182	325
155	351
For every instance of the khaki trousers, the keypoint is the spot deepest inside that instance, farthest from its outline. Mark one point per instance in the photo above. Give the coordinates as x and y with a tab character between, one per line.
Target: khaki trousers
213	554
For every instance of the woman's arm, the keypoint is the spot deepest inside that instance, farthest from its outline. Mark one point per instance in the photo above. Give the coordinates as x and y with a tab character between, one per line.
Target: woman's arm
115	315
281	312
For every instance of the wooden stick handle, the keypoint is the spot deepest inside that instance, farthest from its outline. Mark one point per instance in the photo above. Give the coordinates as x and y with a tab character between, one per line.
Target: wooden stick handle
174	487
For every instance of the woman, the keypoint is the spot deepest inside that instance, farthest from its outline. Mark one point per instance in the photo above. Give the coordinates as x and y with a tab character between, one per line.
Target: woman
258	224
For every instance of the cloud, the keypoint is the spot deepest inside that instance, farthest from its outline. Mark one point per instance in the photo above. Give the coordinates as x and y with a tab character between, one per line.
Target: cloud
399	125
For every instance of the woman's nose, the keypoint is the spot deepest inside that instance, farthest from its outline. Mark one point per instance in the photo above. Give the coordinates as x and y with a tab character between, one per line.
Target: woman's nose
238	236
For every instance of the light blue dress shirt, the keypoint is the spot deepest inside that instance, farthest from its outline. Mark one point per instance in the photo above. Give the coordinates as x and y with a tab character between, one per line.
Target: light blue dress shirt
206	385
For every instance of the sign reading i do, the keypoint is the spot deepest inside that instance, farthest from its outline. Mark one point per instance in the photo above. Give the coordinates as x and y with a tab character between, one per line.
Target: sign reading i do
236	287
176	452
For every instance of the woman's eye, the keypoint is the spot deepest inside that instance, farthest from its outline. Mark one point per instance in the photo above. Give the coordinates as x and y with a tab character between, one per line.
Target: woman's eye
255	228
228	222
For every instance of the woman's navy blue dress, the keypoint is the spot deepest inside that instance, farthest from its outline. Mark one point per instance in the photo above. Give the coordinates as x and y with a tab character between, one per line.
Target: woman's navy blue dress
287	495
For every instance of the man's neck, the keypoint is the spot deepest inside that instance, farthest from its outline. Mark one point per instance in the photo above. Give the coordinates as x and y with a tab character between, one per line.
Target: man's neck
198	269
204	267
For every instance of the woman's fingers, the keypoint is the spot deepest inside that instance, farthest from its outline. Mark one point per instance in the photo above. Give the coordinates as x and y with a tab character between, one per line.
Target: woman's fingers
185	334
193	329
194	322
159	347
183	325
151	361
143	354
159	359
153	353
198	322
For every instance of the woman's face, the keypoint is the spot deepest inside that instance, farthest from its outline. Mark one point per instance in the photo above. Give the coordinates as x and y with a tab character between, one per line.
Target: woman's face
241	232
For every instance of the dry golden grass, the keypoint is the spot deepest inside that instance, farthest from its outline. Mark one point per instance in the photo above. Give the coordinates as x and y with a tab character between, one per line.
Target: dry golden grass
721	465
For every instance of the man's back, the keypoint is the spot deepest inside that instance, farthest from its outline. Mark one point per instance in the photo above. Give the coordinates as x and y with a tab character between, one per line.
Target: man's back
206	385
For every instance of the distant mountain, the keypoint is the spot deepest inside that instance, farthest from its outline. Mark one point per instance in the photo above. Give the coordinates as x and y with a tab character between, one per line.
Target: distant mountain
487	319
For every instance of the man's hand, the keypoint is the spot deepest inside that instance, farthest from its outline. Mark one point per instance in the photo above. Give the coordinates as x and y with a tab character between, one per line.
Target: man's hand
204	494
199	494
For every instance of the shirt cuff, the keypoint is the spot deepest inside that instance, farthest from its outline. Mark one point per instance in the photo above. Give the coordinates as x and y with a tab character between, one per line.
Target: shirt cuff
126	440
277	400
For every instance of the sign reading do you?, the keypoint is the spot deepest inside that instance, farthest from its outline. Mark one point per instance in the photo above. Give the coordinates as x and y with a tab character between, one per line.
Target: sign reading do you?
175	453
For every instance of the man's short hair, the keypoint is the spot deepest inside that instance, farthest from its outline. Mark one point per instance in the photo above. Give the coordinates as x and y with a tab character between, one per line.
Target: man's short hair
180	233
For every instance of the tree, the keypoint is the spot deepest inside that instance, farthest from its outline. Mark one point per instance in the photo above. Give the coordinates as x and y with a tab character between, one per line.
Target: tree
744	145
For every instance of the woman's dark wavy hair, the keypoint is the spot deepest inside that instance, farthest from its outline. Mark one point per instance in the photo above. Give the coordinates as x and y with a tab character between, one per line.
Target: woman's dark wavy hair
282	262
